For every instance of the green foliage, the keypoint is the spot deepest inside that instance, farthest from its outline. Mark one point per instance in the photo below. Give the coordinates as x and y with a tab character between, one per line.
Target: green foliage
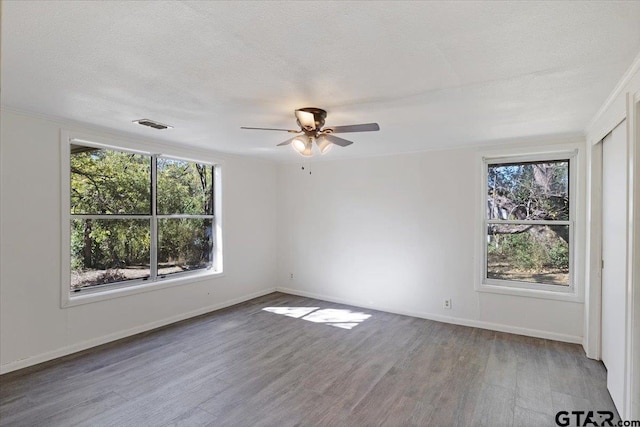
106	182
110	182
524	253
523	192
537	190
104	244
184	188
559	256
185	241
537	250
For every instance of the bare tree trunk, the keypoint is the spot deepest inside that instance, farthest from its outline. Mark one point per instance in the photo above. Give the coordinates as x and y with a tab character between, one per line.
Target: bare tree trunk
202	173
562	231
543	174
87	246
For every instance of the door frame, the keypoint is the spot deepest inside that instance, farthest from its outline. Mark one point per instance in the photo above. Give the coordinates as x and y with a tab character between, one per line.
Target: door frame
633	267
593	296
622	103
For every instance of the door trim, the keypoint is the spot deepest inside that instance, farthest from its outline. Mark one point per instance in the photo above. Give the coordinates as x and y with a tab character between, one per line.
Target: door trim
633	264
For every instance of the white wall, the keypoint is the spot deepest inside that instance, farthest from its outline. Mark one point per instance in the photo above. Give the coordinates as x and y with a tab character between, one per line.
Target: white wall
399	233
33	327
386	232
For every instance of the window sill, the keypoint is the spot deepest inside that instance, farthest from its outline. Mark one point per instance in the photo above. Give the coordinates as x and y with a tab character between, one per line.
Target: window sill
568	295
72	300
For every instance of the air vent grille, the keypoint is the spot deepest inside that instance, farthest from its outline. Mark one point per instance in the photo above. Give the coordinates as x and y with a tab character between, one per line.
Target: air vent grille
152	124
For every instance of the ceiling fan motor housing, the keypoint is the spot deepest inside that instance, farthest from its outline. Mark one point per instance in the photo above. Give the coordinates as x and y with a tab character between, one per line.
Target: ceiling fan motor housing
319	115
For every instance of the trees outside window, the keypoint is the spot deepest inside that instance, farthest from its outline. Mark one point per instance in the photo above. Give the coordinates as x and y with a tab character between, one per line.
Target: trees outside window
528	220
137	217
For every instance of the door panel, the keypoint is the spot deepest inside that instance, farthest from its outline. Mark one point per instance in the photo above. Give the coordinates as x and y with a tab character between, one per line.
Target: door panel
614	252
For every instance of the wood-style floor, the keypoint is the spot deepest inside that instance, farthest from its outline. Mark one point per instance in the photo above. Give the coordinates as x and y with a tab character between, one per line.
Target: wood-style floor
247	366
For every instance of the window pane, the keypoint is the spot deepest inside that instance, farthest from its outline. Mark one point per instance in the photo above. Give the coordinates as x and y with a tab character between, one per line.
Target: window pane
528	253
184	187
109	182
109	250
529	191
184	244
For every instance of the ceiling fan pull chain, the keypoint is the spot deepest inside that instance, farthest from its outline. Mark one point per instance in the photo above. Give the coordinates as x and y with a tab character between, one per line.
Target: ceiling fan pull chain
306	165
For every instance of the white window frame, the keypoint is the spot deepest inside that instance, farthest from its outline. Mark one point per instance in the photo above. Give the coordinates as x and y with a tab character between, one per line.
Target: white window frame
573	292
154	282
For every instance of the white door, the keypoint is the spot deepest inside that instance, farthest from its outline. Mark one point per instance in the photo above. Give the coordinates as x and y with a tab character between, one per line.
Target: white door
614	252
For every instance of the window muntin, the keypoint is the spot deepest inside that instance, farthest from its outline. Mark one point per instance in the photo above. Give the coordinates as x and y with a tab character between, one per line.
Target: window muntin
528	224
137	217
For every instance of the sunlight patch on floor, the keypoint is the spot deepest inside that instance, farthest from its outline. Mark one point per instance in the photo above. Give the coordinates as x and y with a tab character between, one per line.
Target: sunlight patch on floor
340	318
296	312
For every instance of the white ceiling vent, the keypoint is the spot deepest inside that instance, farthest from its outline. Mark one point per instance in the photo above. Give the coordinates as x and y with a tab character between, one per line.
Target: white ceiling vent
152	124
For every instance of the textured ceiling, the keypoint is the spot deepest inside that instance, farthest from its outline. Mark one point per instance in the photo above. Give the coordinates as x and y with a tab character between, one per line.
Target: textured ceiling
432	74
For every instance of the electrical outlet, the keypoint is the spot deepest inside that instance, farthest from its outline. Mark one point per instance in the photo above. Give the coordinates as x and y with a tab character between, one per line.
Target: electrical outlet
447	304
291	276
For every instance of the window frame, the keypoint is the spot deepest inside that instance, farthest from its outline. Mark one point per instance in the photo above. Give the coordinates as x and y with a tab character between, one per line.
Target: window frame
154	282
533	289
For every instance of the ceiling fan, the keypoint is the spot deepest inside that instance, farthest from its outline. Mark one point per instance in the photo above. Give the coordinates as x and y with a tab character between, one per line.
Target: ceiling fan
311	122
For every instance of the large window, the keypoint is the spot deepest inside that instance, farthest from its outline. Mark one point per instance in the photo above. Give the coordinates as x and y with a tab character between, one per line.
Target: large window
528	223
137	218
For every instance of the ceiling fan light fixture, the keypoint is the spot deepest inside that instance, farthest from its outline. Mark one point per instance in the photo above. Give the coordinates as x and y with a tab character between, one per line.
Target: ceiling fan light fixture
324	145
308	152
302	145
299	144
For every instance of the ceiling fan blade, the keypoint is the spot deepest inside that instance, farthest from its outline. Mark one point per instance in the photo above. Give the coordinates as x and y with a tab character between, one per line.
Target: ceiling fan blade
287	142
283	130
338	141
366	127
306	119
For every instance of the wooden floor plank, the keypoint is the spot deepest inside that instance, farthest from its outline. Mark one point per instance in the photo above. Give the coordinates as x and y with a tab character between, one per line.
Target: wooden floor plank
245	365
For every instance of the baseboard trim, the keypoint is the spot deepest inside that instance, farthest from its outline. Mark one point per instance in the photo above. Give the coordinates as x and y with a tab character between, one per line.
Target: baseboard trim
439	318
74	348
